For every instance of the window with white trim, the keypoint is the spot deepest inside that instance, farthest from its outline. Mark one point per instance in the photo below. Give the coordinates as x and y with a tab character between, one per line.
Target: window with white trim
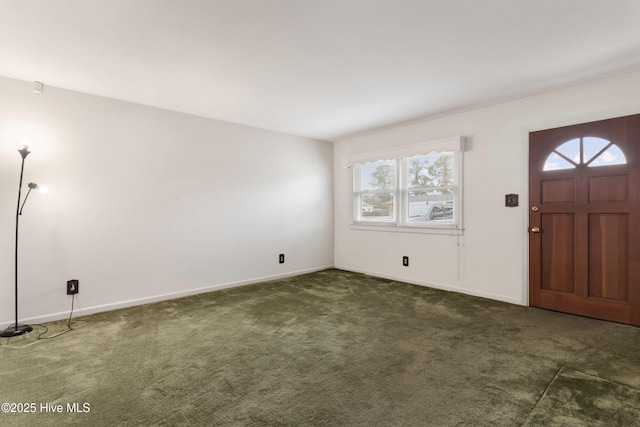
419	186
375	191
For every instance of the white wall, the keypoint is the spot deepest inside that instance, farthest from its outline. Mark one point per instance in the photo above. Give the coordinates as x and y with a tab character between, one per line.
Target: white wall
147	204
491	258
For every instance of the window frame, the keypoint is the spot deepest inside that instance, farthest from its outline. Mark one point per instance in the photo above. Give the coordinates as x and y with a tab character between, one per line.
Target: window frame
400	218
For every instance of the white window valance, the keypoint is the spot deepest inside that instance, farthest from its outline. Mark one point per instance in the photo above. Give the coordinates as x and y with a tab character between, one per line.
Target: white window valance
456	143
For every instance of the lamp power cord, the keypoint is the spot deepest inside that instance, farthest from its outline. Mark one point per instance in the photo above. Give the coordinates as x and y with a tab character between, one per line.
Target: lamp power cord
69	328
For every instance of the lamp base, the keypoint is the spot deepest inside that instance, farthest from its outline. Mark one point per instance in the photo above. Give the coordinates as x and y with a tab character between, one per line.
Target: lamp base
15	330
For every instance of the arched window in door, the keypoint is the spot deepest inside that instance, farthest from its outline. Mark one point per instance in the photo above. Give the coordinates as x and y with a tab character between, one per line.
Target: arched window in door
589	151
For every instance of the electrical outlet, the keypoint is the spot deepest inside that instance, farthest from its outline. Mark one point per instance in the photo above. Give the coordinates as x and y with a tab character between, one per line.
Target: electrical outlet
72	287
405	261
281	259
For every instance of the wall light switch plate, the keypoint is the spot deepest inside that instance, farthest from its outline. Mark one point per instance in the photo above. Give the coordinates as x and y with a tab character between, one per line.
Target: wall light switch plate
511	200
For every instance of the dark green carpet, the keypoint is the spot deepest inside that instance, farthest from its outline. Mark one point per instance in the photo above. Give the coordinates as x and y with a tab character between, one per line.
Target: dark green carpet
577	399
327	349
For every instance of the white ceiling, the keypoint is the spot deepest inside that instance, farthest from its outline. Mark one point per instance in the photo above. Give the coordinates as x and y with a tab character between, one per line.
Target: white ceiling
322	69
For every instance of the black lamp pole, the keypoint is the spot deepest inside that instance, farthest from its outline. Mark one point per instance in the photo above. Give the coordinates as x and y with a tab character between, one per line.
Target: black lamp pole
17	329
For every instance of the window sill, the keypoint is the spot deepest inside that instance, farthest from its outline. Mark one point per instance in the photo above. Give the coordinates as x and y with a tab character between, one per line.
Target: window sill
392	228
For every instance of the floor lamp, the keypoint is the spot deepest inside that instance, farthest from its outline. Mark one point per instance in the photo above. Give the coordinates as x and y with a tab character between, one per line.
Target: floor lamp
17	329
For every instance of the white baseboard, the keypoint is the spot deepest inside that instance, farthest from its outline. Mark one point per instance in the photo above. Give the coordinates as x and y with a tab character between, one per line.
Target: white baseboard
434	285
163	297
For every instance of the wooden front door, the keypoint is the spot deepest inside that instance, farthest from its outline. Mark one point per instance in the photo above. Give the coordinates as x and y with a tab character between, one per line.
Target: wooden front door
584	219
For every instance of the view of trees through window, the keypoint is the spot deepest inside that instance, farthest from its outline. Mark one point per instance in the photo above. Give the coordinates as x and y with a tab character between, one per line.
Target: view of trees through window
426	189
433	170
430	187
378	185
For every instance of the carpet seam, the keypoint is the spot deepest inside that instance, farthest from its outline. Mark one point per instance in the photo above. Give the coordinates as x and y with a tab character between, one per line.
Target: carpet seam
602	378
544	393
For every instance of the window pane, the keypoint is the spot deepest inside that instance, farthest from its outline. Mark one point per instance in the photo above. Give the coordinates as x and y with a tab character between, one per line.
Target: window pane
377	207
431	206
571	149
378	176
612	156
431	170
555	162
591	146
